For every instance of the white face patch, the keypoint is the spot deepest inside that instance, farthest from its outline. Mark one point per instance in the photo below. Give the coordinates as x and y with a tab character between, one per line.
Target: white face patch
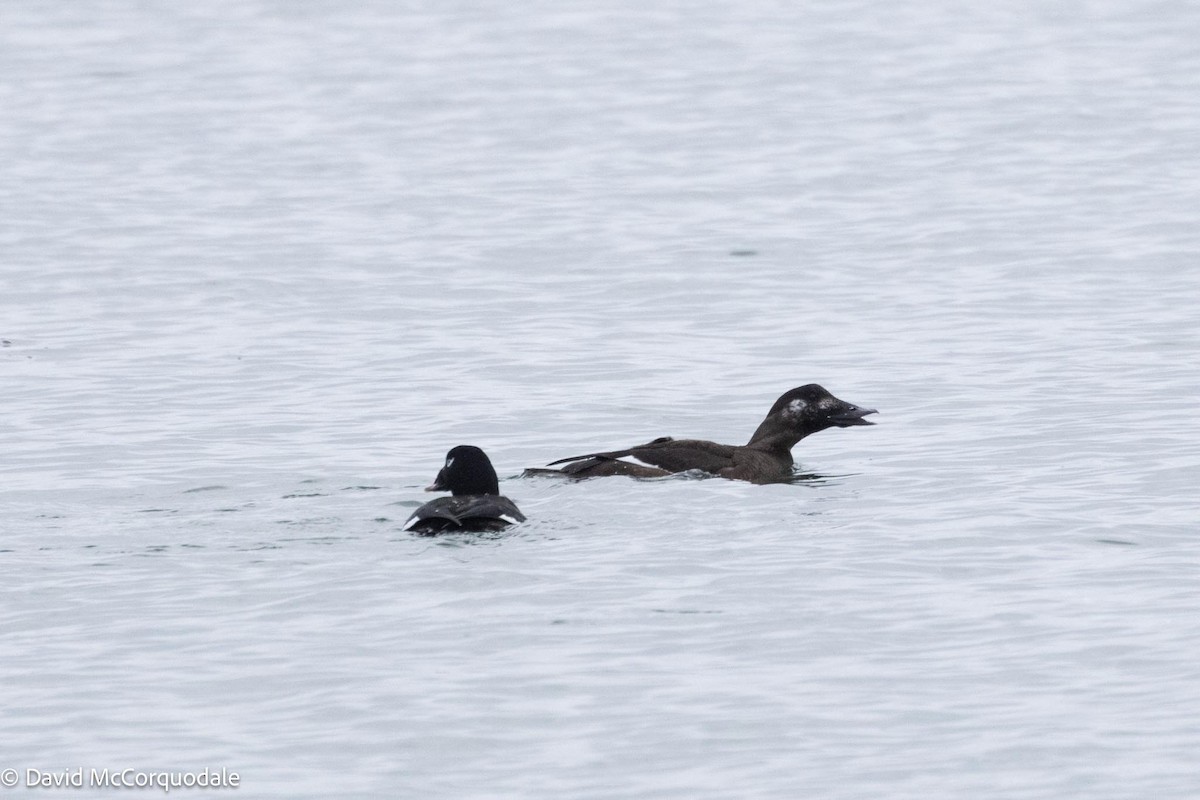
795	408
449	462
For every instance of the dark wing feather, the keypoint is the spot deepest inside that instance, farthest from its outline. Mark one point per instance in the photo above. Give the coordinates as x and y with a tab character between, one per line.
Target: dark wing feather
601	466
613	453
668	455
687	454
466	512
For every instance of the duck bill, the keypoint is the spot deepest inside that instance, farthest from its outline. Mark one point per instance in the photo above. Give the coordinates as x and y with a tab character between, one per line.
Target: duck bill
852	415
439	483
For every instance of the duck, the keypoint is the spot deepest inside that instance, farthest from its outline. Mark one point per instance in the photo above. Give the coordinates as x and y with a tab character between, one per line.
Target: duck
475	503
766	458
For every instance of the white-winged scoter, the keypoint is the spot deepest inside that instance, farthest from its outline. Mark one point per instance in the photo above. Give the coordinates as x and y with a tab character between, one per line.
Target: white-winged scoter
766	458
475	503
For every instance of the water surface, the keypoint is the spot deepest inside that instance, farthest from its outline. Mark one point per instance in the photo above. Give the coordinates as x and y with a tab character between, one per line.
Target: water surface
262	265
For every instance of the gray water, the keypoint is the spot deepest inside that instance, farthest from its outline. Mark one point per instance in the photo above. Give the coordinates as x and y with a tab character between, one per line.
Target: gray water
262	264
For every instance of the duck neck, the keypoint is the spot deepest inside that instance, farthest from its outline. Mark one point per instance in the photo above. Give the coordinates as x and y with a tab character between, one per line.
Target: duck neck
775	439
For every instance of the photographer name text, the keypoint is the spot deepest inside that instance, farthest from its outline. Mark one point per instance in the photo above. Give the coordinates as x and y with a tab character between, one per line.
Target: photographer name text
80	778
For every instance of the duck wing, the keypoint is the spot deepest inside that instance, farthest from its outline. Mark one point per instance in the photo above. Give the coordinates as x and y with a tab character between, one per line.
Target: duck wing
465	512
663	456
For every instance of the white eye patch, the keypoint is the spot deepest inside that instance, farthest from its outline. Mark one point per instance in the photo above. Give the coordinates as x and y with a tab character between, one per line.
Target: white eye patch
449	462
795	407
